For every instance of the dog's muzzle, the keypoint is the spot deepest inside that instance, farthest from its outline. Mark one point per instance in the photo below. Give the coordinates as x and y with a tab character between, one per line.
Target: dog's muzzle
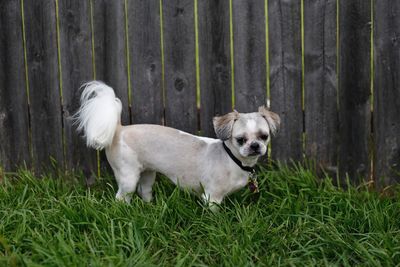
255	149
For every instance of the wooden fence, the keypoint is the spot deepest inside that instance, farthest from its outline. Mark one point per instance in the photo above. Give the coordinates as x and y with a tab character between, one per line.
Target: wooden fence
331	69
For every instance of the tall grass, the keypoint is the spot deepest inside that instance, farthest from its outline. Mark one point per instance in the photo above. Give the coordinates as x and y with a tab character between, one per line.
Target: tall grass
295	220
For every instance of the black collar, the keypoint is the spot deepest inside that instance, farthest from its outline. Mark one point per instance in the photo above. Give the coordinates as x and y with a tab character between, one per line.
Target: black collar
236	160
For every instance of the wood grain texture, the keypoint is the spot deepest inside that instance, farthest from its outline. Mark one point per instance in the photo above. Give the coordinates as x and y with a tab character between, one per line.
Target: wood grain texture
285	77
180	65
110	49
249	54
354	89
145	61
43	77
320	79
214	59
111	56
387	92
14	122
77	68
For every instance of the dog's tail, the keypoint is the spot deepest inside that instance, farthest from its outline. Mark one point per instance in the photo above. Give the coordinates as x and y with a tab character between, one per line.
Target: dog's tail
99	114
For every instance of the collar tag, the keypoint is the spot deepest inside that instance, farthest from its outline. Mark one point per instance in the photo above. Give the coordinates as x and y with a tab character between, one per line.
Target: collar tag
252	183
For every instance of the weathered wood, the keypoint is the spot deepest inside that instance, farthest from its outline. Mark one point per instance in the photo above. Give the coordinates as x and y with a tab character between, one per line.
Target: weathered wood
354	88
111	55
180	65
110	49
145	61
285	77
320	80
387	92
249	54
214	59
43	77
14	122
77	68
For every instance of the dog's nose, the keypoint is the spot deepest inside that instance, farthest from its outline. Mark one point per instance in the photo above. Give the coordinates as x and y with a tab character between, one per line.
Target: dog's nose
255	146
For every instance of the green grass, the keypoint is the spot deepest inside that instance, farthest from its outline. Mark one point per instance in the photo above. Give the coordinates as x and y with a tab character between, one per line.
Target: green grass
295	221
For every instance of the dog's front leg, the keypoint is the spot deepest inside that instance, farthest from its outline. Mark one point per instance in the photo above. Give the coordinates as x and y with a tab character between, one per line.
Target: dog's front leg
212	201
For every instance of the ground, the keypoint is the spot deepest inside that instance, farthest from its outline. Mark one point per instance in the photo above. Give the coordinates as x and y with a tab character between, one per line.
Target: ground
296	220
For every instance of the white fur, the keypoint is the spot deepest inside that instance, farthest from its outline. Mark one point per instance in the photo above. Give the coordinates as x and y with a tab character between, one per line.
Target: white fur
251	125
98	115
137	152
205	139
208	140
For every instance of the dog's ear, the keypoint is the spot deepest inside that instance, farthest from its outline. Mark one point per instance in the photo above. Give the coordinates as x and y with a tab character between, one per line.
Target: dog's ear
272	119
223	125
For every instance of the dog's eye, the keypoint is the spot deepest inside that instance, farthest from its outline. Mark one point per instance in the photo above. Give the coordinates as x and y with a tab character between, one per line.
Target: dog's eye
240	140
264	137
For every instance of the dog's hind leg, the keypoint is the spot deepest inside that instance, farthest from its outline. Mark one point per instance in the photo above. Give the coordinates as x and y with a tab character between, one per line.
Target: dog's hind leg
127	182
144	189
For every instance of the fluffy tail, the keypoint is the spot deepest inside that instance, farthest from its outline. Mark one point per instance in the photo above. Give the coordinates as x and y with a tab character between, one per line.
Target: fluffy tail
99	114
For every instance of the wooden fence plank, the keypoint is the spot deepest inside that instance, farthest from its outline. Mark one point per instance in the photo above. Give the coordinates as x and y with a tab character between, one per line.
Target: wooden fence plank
354	88
111	55
145	61
77	68
285	77
214	59
14	122
180	65
110	49
43	77
320	79
387	92
249	54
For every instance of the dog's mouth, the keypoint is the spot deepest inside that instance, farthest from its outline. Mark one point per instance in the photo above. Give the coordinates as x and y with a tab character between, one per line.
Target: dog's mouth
254	154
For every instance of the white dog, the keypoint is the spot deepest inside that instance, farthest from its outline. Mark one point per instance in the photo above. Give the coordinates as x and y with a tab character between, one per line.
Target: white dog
213	168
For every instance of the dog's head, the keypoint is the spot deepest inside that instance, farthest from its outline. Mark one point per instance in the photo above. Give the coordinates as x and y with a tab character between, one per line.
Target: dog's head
249	133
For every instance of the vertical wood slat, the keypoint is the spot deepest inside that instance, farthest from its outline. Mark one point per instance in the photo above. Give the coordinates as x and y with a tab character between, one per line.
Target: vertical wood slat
320	79
354	88
214	59
387	92
76	66
43	77
110	49
180	65
110	54
14	124
249	54
145	61
285	77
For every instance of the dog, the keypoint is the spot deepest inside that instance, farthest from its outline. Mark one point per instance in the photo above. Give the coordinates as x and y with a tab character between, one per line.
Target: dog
212	168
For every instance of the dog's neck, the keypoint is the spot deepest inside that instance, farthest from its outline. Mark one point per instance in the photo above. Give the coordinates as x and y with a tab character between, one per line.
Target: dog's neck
250	162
